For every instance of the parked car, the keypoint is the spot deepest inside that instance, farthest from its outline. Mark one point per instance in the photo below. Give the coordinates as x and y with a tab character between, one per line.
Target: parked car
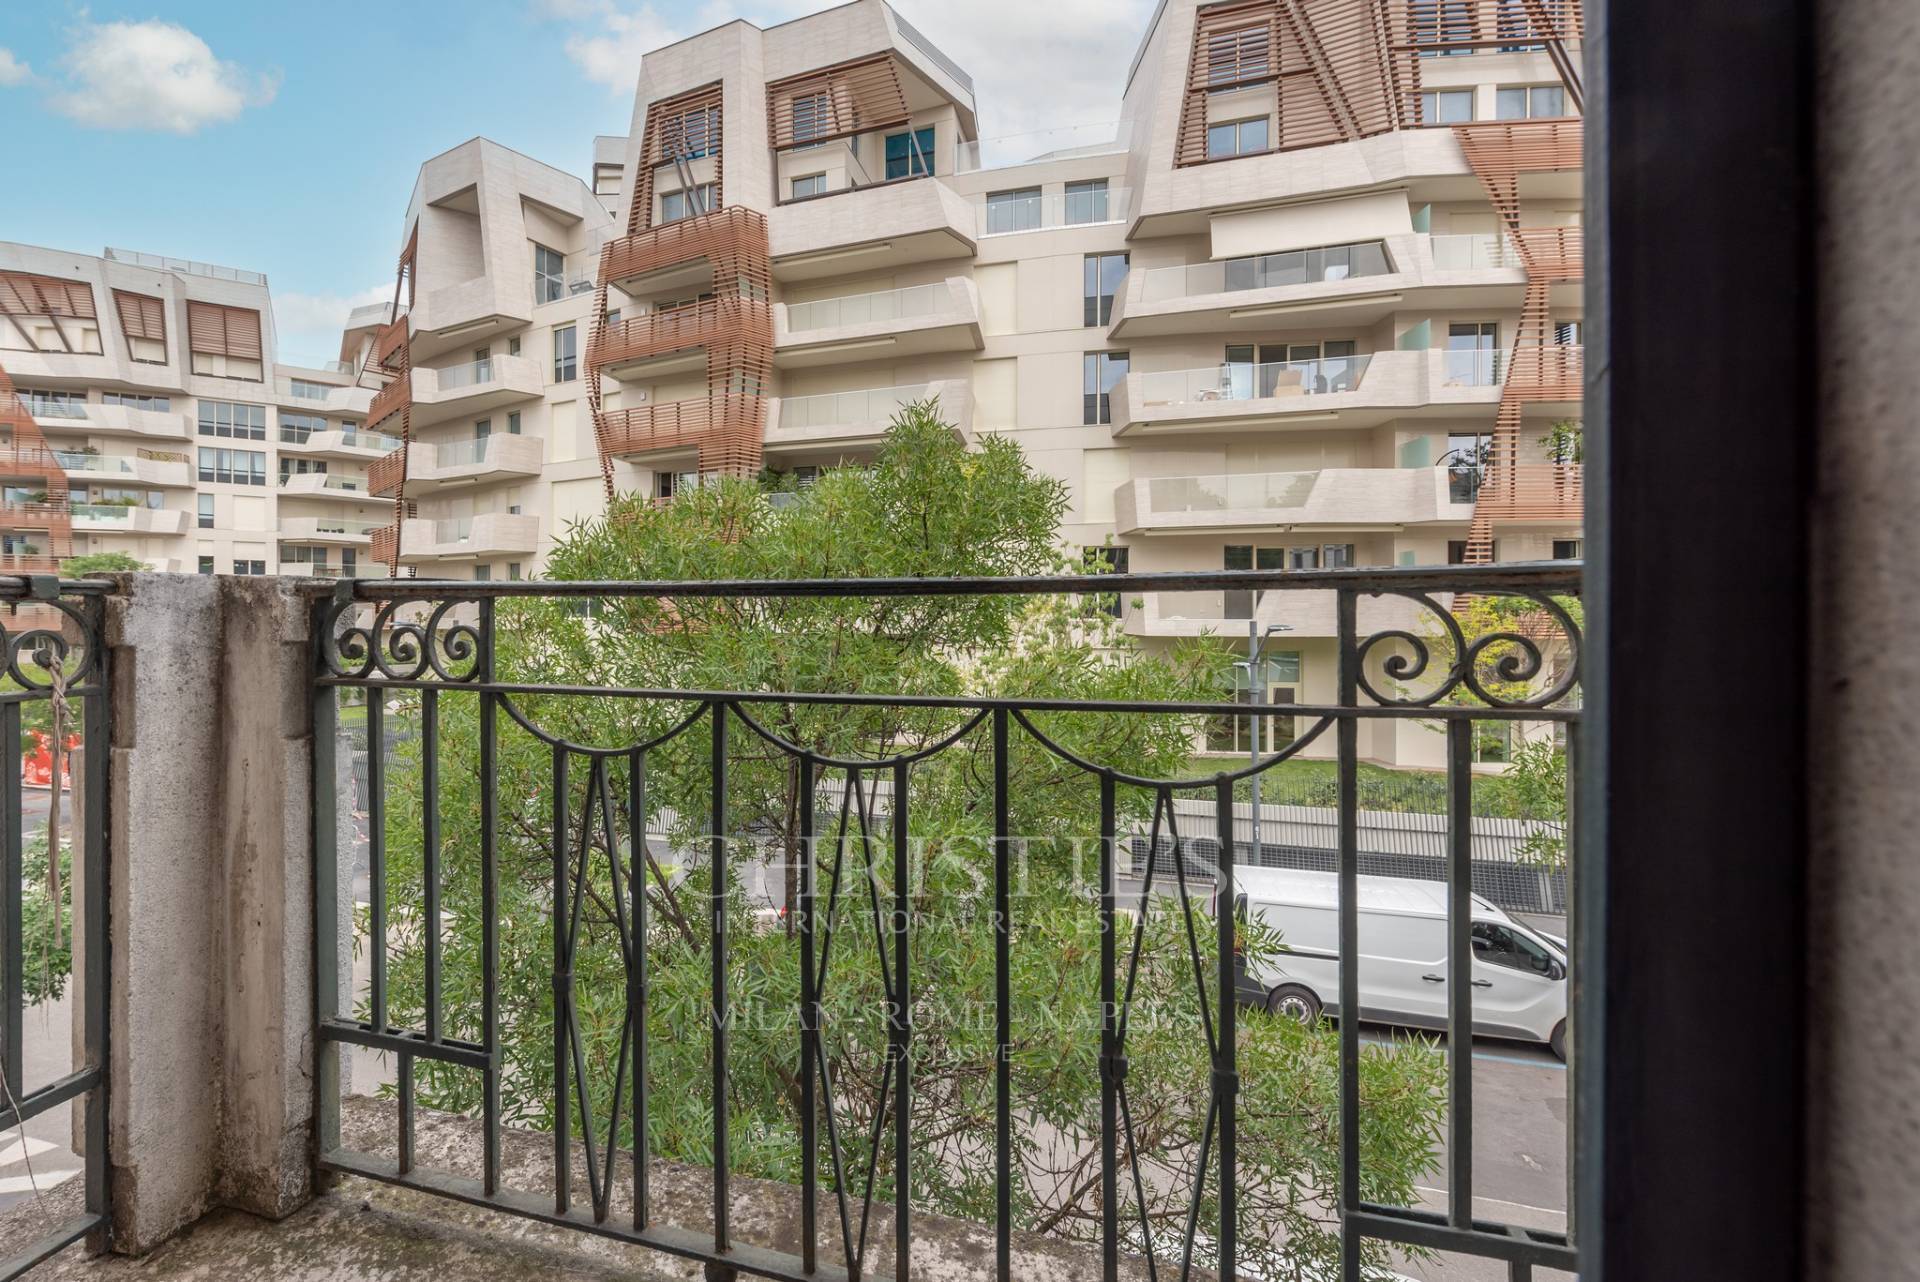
1519	975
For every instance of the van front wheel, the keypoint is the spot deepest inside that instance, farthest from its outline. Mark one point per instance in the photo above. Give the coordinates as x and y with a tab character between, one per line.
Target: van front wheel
1558	1040
1290	1001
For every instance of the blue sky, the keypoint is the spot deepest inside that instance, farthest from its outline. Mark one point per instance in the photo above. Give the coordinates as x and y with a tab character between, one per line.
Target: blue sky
253	135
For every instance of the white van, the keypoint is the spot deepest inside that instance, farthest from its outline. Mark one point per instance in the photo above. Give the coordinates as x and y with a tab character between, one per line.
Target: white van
1519	977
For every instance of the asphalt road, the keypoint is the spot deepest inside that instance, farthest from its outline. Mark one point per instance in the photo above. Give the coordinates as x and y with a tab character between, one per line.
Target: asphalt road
1520	1112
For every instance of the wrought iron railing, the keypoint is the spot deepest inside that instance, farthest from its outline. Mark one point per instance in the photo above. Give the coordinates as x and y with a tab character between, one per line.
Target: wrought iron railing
439	642
55	686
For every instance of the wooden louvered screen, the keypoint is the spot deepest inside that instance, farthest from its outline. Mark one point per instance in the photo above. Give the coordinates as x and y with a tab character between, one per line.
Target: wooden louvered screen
1335	73
836	102
216	330
141	316
725	427
26	294
684	127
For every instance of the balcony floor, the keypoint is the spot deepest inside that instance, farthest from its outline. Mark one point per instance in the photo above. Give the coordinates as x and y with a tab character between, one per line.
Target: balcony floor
364	1229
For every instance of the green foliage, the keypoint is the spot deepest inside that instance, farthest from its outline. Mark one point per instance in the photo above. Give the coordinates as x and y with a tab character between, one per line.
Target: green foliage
927	507
75	567
1565	441
45	964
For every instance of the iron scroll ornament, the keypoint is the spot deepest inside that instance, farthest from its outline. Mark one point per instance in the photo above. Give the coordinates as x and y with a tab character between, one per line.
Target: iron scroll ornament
403	650
1514	658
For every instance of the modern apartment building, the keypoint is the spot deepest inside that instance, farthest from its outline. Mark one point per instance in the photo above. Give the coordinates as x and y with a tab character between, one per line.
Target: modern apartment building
1313	300
145	413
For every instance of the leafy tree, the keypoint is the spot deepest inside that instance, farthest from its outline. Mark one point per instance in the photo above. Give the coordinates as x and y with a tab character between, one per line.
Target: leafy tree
75	567
1534	785
1565	441
927	507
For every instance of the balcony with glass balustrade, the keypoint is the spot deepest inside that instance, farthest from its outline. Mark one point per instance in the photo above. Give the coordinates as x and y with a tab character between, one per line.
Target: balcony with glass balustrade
440	465
861	417
427	538
474	387
1344	498
1360	390
83	466
912	320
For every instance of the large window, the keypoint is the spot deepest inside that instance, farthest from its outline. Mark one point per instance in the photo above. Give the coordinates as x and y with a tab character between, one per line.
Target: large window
296	429
1473	354
910	154
1087	202
1446	107
134	401
549	275
1278	682
1017	210
1529	102
234	419
1237	138
1100	277
1100	372
233	467
675	205
566	354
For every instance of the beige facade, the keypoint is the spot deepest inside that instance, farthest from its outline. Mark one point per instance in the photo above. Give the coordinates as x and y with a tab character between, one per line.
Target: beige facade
1283	358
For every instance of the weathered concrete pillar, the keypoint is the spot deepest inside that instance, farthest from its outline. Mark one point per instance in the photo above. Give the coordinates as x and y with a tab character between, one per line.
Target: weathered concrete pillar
1863	878
211	887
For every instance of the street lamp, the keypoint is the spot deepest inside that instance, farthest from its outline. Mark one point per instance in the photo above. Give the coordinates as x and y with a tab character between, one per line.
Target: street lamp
1256	641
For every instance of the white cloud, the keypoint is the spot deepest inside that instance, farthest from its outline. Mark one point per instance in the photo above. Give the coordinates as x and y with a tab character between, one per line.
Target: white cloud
1037	66
12	70
153	75
308	325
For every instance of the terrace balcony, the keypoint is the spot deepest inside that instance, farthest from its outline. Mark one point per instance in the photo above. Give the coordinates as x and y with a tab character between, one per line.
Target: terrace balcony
474	388
468	537
666	340
913	320
341	530
861	418
328	485
433	466
870	229
316	398
1327	499
125	469
111	420
1356	284
363	447
114	518
1353	391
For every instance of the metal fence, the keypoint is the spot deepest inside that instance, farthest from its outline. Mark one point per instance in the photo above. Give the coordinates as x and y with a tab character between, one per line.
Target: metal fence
55	684
438	642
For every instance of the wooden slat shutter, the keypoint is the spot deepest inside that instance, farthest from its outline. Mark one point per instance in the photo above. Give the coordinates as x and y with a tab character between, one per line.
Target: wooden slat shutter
243	333
25	294
214	330
835	102
141	316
